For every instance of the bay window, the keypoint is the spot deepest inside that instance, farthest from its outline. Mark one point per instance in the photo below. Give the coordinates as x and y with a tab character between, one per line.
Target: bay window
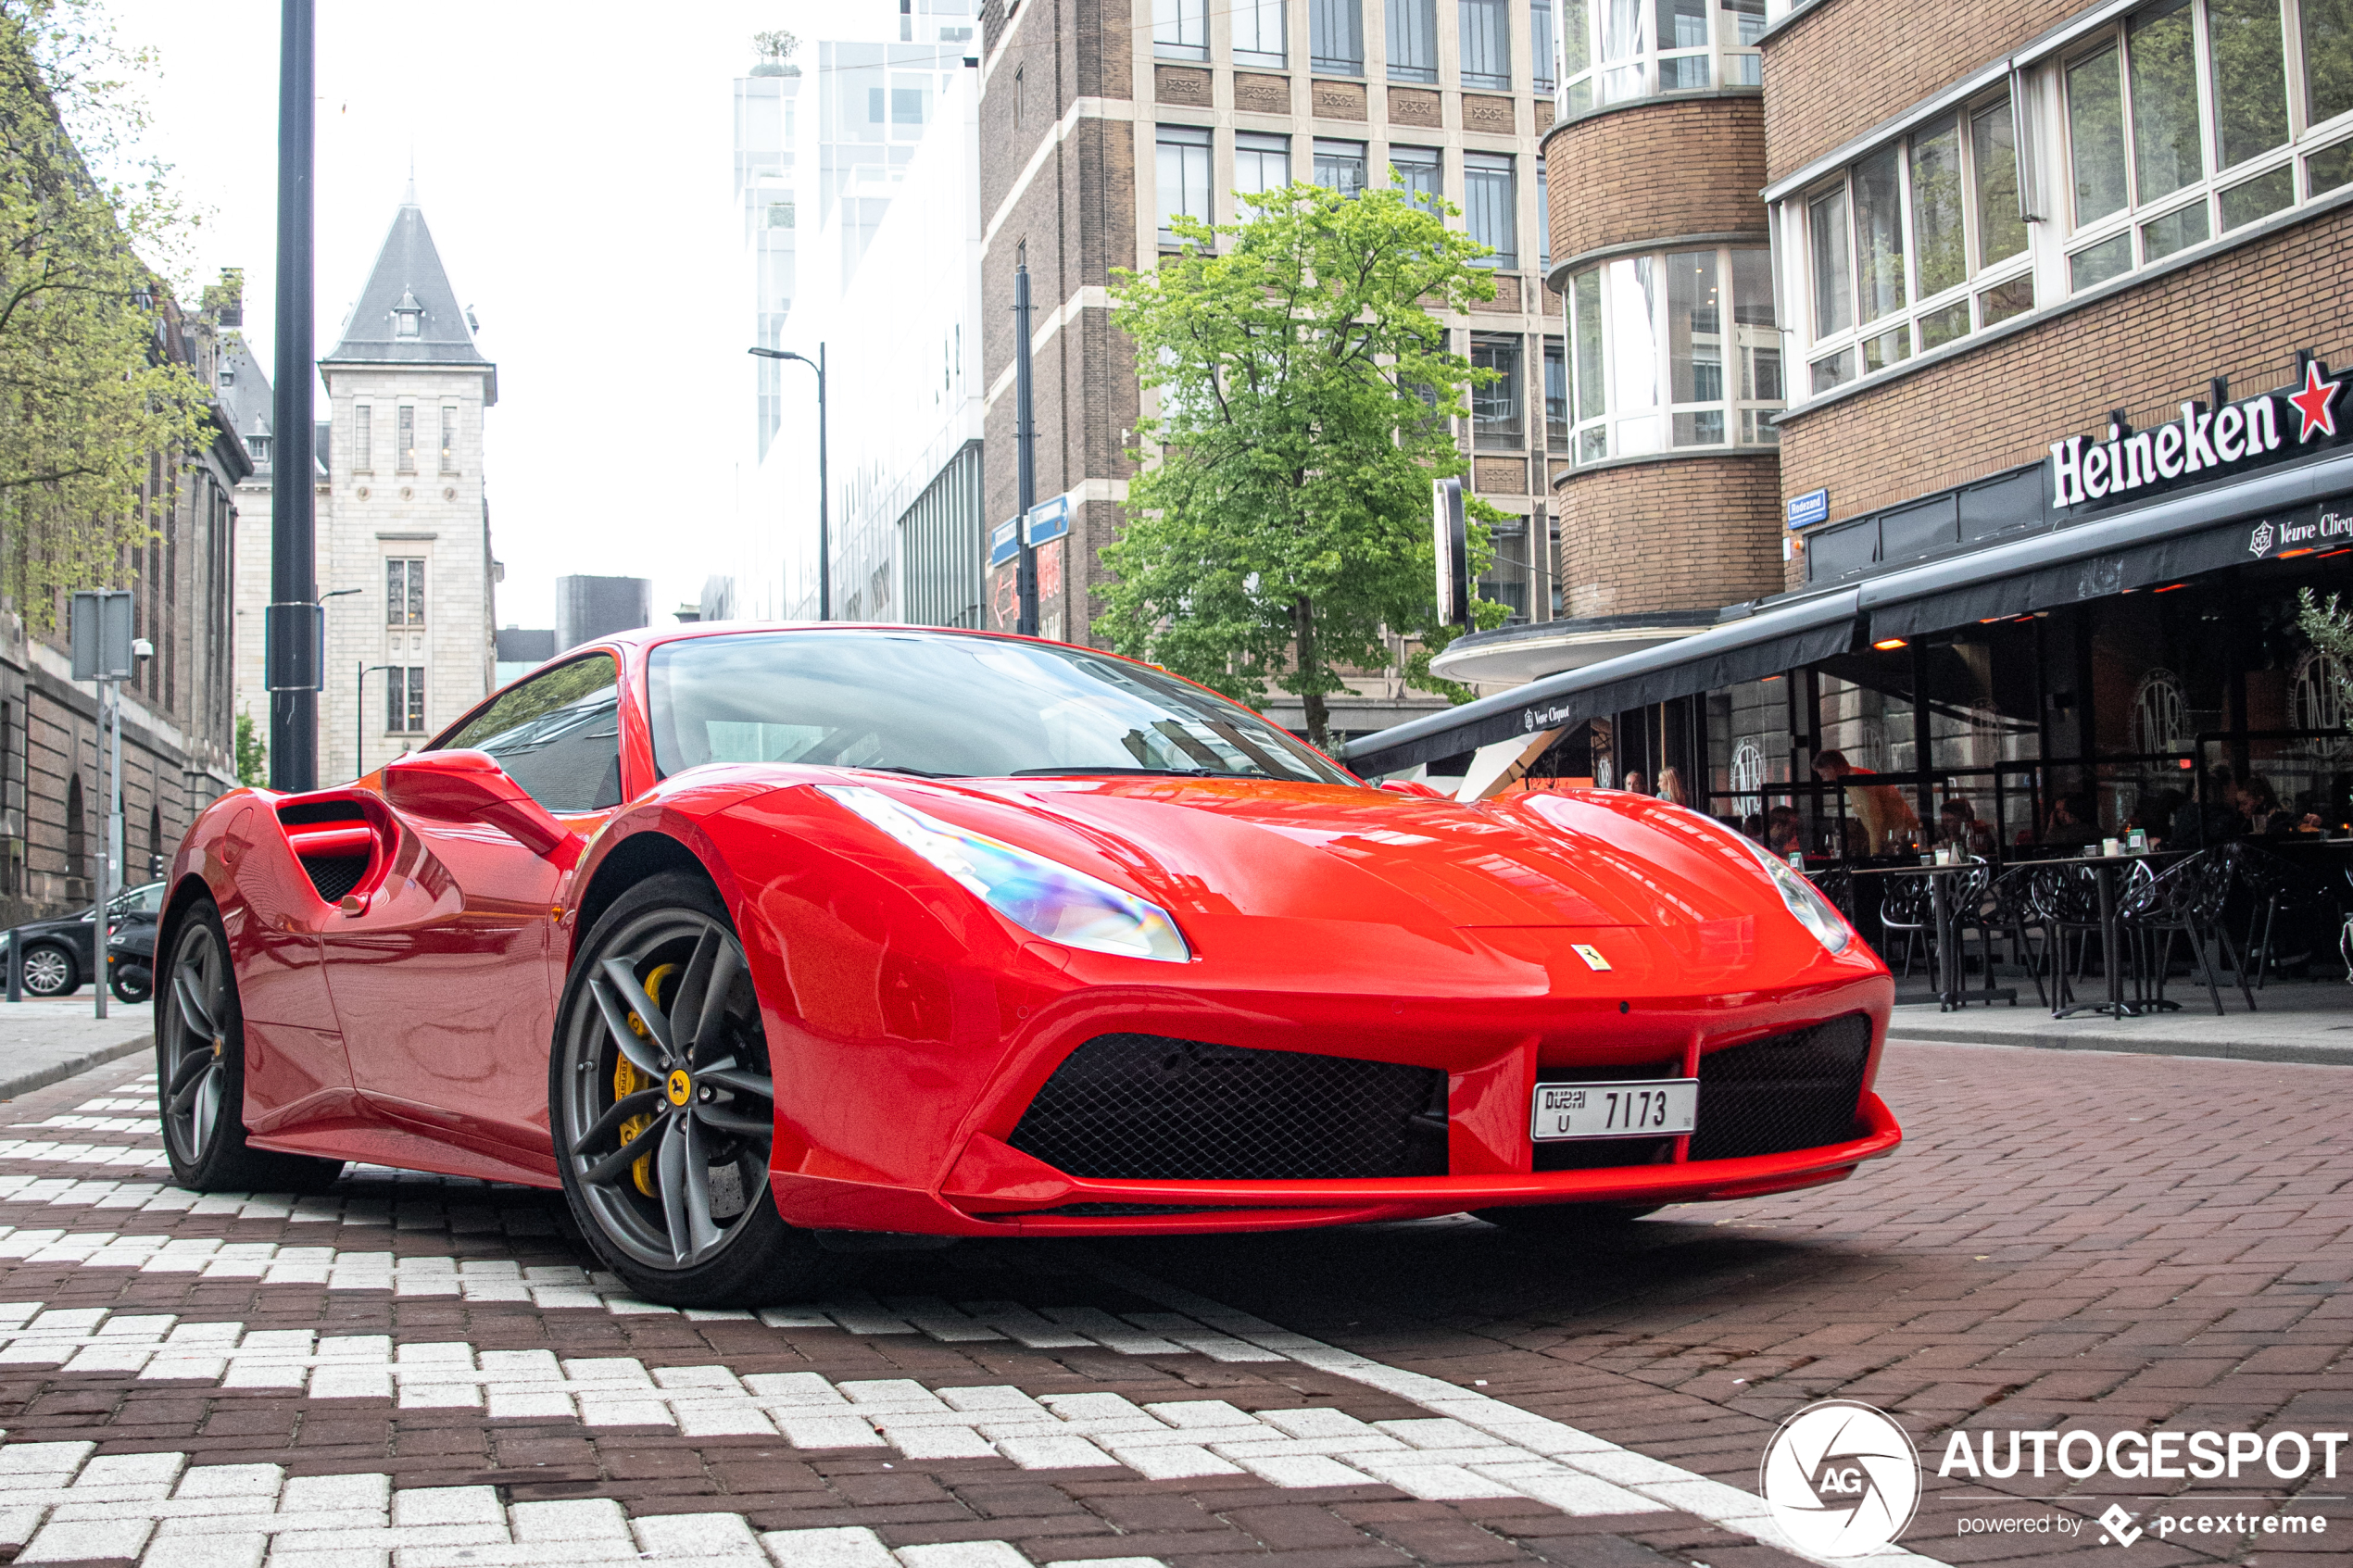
1902	245
1615	51
2182	122
1671	351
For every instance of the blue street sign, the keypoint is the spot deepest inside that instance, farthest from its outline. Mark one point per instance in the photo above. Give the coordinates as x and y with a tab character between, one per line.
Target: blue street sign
1806	510
1050	520
1005	541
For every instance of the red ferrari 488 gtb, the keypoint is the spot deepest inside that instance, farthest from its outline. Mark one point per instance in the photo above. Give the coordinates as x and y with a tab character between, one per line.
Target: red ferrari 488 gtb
750	936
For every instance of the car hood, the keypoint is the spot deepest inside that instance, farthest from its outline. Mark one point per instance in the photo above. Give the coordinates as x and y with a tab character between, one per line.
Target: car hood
1300	850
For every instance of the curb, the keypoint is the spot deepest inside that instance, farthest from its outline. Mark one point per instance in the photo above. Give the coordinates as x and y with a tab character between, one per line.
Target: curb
31	1078
2318	1055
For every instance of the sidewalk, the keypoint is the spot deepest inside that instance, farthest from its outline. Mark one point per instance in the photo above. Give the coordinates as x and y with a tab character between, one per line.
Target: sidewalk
2297	1020
41	1042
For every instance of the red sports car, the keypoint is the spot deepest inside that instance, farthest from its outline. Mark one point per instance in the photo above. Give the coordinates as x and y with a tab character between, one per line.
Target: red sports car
766	941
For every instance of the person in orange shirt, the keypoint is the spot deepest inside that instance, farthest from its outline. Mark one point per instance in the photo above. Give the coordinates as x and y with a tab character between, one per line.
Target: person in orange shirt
1887	819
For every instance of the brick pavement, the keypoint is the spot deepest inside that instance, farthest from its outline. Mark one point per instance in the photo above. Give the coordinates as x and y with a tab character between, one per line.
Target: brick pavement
2164	1242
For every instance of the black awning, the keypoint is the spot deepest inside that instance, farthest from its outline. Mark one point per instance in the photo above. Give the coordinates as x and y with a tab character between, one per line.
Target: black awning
1725	654
2230	525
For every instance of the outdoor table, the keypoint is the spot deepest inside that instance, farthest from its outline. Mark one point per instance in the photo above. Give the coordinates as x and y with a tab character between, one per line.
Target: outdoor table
2105	868
1951	957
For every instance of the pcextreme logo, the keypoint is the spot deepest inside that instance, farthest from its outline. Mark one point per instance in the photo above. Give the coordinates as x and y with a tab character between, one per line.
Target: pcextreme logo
1842	1478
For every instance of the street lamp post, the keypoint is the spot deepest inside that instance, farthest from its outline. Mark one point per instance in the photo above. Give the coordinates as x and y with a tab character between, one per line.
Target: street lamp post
337	594
825	551
360	717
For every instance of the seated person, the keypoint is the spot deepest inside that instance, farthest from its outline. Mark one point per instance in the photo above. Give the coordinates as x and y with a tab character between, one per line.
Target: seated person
2214	820
1783	831
2070	824
1958	823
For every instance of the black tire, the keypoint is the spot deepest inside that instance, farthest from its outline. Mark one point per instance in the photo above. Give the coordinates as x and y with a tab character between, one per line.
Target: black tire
131	984
1567	1222
698	1097
49	970
200	1074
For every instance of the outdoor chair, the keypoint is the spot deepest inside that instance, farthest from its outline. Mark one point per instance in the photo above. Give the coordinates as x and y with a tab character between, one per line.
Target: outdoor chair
2066	900
2000	907
2187	900
1907	908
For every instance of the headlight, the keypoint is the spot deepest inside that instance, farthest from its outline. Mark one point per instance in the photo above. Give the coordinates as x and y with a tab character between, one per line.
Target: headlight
1814	912
1057	902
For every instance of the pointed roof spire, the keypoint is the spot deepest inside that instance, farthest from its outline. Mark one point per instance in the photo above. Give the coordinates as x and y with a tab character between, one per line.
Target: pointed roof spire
409	196
408	314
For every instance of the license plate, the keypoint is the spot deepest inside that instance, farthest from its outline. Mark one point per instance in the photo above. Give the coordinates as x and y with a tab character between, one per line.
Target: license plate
1647	1108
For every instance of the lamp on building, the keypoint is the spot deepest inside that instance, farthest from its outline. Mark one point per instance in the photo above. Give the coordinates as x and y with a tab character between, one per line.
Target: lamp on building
824	554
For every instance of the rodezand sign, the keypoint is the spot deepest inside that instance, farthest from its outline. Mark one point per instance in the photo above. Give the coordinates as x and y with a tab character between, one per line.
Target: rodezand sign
2229	435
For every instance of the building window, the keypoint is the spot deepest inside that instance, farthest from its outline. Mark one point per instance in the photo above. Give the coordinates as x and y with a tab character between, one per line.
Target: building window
2182	123
1491	206
1615	51
1418	173
1183	153
405	700
1261	163
1497	423
1260	33
1543	216
363	438
1555	396
1542	50
1914	245
1336	37
1413	40
404	591
405	448
1672	350
259	446
1180	30
450	438
1484	32
1339	166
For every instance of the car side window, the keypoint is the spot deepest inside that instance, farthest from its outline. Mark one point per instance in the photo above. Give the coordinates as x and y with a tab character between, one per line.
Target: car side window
557	734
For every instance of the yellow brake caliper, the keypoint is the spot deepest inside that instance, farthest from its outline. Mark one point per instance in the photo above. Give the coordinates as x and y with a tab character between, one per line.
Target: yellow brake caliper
628	1079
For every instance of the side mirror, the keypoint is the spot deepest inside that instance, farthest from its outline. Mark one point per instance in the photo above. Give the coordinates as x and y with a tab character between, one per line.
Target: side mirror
470	786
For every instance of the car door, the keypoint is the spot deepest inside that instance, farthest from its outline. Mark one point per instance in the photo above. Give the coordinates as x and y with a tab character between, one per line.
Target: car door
445	979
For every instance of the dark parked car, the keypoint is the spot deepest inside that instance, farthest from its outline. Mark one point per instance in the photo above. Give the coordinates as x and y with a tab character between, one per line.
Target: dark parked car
59	955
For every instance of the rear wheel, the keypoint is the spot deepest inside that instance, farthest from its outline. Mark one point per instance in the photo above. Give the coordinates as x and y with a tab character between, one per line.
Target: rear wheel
662	1106
200	1074
49	970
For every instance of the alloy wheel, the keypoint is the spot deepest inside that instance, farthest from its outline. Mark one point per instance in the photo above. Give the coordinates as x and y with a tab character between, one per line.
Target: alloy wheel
47	972
194	1035
669	1105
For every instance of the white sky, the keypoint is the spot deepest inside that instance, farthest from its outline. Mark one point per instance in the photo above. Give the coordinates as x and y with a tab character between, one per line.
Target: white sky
574	163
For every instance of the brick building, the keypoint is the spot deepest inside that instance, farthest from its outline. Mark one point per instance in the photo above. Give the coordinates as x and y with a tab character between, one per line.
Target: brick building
1097	119
2044	303
178	711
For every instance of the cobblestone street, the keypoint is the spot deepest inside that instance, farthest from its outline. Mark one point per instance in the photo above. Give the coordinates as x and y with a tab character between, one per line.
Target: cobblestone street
417	1371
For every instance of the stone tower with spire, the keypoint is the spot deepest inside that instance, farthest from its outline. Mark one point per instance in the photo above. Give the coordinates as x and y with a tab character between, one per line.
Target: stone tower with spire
409	525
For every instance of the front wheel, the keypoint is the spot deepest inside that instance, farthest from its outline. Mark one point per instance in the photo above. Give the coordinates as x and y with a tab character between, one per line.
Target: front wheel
200	1074
49	970
131	984
662	1106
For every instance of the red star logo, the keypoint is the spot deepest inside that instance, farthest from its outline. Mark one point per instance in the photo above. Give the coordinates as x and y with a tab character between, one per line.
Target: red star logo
2316	402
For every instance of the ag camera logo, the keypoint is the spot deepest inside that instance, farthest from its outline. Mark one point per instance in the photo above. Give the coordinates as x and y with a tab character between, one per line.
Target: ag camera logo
1842	1479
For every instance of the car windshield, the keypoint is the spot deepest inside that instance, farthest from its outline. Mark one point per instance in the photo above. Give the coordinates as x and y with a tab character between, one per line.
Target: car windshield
146	900
950	706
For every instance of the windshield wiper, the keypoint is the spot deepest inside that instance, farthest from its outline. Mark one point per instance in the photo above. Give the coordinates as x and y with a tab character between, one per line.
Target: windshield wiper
1077	769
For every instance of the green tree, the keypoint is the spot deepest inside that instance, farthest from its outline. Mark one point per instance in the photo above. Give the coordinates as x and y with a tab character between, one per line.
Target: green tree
253	754
1306	400
2330	627
87	393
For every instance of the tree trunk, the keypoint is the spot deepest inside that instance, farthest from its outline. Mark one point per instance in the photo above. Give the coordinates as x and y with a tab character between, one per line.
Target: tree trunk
1311	672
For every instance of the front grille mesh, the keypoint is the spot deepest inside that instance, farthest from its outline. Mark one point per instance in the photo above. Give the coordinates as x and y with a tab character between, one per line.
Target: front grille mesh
1791	1091
1148	1108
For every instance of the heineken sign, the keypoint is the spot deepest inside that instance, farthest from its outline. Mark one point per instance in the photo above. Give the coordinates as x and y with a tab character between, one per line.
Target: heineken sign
2205	440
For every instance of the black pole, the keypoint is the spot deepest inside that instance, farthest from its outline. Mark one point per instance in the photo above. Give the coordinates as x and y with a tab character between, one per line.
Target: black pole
824	498
1025	457
291	631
